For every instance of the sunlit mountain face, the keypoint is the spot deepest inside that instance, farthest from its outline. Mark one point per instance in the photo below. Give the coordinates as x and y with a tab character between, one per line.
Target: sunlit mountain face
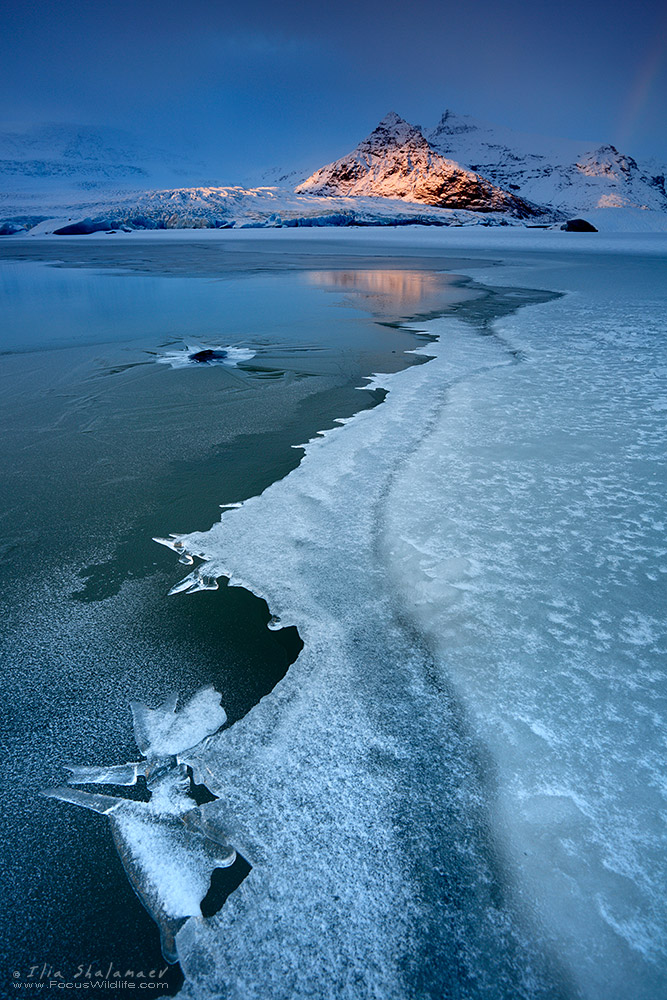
396	161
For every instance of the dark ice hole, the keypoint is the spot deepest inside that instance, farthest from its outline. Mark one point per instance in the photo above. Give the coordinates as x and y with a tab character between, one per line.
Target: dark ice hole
203	357
223	883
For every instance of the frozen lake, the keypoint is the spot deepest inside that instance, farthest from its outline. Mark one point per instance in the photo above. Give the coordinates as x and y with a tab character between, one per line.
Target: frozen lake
104	446
458	787
477	569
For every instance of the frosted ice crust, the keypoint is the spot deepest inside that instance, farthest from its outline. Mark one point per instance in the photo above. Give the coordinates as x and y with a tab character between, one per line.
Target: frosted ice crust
169	846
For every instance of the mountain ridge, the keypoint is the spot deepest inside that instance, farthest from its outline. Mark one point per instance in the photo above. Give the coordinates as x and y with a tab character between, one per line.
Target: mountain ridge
460	172
396	160
569	175
84	157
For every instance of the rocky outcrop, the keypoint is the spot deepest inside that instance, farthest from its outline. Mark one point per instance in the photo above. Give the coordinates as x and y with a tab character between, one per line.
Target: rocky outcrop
578	226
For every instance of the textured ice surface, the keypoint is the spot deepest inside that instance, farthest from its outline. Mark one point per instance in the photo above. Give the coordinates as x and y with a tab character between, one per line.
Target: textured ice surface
161	731
455	789
169	846
526	535
355	788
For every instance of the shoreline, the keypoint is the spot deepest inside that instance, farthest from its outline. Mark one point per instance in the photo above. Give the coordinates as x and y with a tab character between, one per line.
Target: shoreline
415	240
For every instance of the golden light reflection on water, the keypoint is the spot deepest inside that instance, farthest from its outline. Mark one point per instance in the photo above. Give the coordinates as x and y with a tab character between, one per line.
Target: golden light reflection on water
393	293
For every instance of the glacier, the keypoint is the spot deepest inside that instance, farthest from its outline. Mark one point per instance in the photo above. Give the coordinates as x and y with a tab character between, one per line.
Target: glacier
457	789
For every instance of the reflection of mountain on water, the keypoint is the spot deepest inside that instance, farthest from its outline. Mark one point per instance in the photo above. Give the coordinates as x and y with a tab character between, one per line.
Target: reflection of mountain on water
393	293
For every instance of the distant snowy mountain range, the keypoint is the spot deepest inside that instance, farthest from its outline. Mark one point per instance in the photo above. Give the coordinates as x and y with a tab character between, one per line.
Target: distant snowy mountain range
80	157
567	175
460	172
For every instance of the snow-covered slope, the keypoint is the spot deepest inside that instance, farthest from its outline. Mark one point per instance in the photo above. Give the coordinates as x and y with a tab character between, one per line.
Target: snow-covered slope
396	161
46	158
569	175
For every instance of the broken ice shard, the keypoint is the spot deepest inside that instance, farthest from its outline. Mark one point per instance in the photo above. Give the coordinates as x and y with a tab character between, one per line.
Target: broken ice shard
163	731
193	582
116	774
176	545
169	846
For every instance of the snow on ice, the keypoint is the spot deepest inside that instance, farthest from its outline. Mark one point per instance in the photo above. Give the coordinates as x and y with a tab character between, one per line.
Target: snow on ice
457	786
169	846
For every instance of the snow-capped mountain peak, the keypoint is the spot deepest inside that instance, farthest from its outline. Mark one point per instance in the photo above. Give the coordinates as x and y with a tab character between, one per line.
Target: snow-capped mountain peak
67	178
397	161
393	131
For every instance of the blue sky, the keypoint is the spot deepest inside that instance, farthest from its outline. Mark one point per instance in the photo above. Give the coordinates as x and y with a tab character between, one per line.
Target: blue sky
258	83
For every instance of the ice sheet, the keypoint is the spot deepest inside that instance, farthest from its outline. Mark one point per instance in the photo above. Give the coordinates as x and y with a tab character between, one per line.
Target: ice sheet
527	537
454	789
